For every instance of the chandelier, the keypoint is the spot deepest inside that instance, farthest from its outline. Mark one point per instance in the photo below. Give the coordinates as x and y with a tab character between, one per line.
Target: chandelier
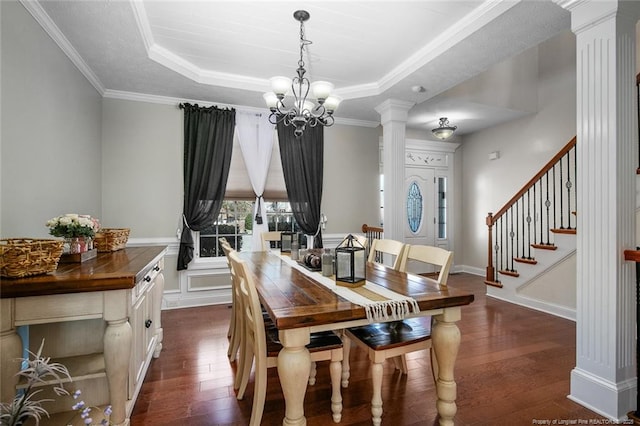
302	112
444	130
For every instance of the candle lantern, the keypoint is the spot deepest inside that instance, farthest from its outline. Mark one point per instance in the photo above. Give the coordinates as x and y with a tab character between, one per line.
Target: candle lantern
286	238
350	263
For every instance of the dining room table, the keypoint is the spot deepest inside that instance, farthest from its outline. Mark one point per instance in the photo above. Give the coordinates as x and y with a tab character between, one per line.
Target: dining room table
301	301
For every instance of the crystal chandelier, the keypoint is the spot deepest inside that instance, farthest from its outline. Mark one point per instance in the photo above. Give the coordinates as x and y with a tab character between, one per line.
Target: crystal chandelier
302	112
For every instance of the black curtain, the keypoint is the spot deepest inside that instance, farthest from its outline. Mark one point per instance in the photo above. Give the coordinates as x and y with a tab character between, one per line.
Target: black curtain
208	142
302	165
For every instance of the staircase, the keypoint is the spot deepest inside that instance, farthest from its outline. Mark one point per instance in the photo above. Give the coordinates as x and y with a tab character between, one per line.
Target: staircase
532	240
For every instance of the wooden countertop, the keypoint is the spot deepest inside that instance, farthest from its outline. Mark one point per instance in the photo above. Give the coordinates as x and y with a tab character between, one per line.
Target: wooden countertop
108	271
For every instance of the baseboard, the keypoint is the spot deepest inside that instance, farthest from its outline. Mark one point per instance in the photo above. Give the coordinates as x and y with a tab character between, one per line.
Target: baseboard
611	400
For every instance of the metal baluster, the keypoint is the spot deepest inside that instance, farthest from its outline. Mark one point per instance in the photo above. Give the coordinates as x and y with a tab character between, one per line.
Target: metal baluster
541	211
497	248
510	258
569	185
529	223
501	241
575	180
534	213
555	213
561	209
517	203
547	203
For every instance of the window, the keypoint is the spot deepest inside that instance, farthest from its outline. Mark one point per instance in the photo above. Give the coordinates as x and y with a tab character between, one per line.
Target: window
235	225
442	207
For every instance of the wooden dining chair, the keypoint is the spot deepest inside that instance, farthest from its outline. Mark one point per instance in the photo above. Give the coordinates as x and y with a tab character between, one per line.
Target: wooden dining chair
262	346
233	334
383	342
437	257
268	237
386	251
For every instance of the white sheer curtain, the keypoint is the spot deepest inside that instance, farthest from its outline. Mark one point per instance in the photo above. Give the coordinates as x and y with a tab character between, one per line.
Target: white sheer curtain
256	137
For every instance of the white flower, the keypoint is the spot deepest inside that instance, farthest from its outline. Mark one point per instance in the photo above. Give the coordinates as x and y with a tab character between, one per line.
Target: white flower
83	221
65	220
72	215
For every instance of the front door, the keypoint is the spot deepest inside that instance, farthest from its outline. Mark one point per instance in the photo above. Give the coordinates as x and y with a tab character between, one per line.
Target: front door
420	208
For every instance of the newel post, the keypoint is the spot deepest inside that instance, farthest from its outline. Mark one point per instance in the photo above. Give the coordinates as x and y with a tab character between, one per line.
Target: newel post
490	275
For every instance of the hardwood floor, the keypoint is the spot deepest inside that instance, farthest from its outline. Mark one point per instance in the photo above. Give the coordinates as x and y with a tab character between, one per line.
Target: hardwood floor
513	368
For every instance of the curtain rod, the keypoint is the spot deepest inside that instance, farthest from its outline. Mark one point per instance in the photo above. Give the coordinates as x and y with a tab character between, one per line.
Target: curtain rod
228	108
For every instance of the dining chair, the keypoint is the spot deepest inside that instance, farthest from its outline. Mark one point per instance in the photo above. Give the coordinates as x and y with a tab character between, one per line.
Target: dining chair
382	342
233	334
380	251
268	237
437	257
262	346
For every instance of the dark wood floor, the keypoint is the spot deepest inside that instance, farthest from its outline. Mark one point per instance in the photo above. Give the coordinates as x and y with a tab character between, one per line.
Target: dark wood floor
513	368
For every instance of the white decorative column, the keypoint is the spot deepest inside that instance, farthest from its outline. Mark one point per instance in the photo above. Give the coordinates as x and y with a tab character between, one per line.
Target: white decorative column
604	379
393	116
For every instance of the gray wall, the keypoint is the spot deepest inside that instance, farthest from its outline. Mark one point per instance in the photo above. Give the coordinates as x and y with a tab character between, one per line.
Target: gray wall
525	146
351	190
50	130
142	167
142	171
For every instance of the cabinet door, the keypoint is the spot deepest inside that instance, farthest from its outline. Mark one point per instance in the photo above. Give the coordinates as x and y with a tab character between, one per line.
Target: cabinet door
149	326
137	318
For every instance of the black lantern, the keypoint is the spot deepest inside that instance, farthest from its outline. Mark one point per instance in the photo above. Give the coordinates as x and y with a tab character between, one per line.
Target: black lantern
286	238
350	263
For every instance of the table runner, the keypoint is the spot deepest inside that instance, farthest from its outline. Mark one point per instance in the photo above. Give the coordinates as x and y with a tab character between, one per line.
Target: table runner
379	303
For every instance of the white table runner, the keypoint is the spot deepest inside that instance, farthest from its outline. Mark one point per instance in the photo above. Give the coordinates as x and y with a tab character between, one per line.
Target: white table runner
384	305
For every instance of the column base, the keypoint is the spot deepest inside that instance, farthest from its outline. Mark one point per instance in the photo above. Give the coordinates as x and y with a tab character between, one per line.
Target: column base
611	400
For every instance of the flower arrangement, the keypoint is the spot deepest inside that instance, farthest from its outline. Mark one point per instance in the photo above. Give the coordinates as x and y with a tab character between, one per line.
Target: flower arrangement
24	406
73	225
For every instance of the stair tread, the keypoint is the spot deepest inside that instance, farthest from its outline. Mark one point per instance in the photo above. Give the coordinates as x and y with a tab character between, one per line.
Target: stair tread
544	246
493	283
509	273
572	231
530	261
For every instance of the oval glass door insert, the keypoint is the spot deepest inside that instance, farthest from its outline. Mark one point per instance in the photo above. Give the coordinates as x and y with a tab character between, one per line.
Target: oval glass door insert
414	207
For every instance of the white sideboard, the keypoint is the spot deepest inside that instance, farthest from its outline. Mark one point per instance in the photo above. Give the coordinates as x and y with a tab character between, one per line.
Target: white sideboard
100	318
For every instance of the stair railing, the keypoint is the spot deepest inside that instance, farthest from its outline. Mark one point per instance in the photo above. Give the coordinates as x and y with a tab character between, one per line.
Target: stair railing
545	205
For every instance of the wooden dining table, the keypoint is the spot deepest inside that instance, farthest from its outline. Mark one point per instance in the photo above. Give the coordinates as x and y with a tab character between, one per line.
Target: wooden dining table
299	305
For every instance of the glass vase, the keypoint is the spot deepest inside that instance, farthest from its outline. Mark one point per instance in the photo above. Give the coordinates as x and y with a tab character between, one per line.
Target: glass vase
75	245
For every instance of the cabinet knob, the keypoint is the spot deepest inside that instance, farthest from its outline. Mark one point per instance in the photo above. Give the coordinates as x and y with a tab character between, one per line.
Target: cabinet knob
156	268
147	278
148	323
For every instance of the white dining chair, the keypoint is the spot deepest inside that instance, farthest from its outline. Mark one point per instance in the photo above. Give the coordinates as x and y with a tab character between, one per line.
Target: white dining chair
386	251
262	346
269	237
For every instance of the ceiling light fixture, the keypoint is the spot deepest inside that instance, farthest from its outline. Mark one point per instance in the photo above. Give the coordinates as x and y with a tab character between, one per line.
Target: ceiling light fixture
445	130
302	112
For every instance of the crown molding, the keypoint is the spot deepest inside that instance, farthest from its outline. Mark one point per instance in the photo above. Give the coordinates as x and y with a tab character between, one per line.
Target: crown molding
167	100
478	18
42	18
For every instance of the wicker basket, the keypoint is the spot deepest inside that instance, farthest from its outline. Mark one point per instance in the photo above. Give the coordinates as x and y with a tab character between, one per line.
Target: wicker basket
111	239
21	257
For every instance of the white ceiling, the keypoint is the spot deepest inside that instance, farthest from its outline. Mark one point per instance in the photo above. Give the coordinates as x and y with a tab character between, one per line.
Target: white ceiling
224	52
